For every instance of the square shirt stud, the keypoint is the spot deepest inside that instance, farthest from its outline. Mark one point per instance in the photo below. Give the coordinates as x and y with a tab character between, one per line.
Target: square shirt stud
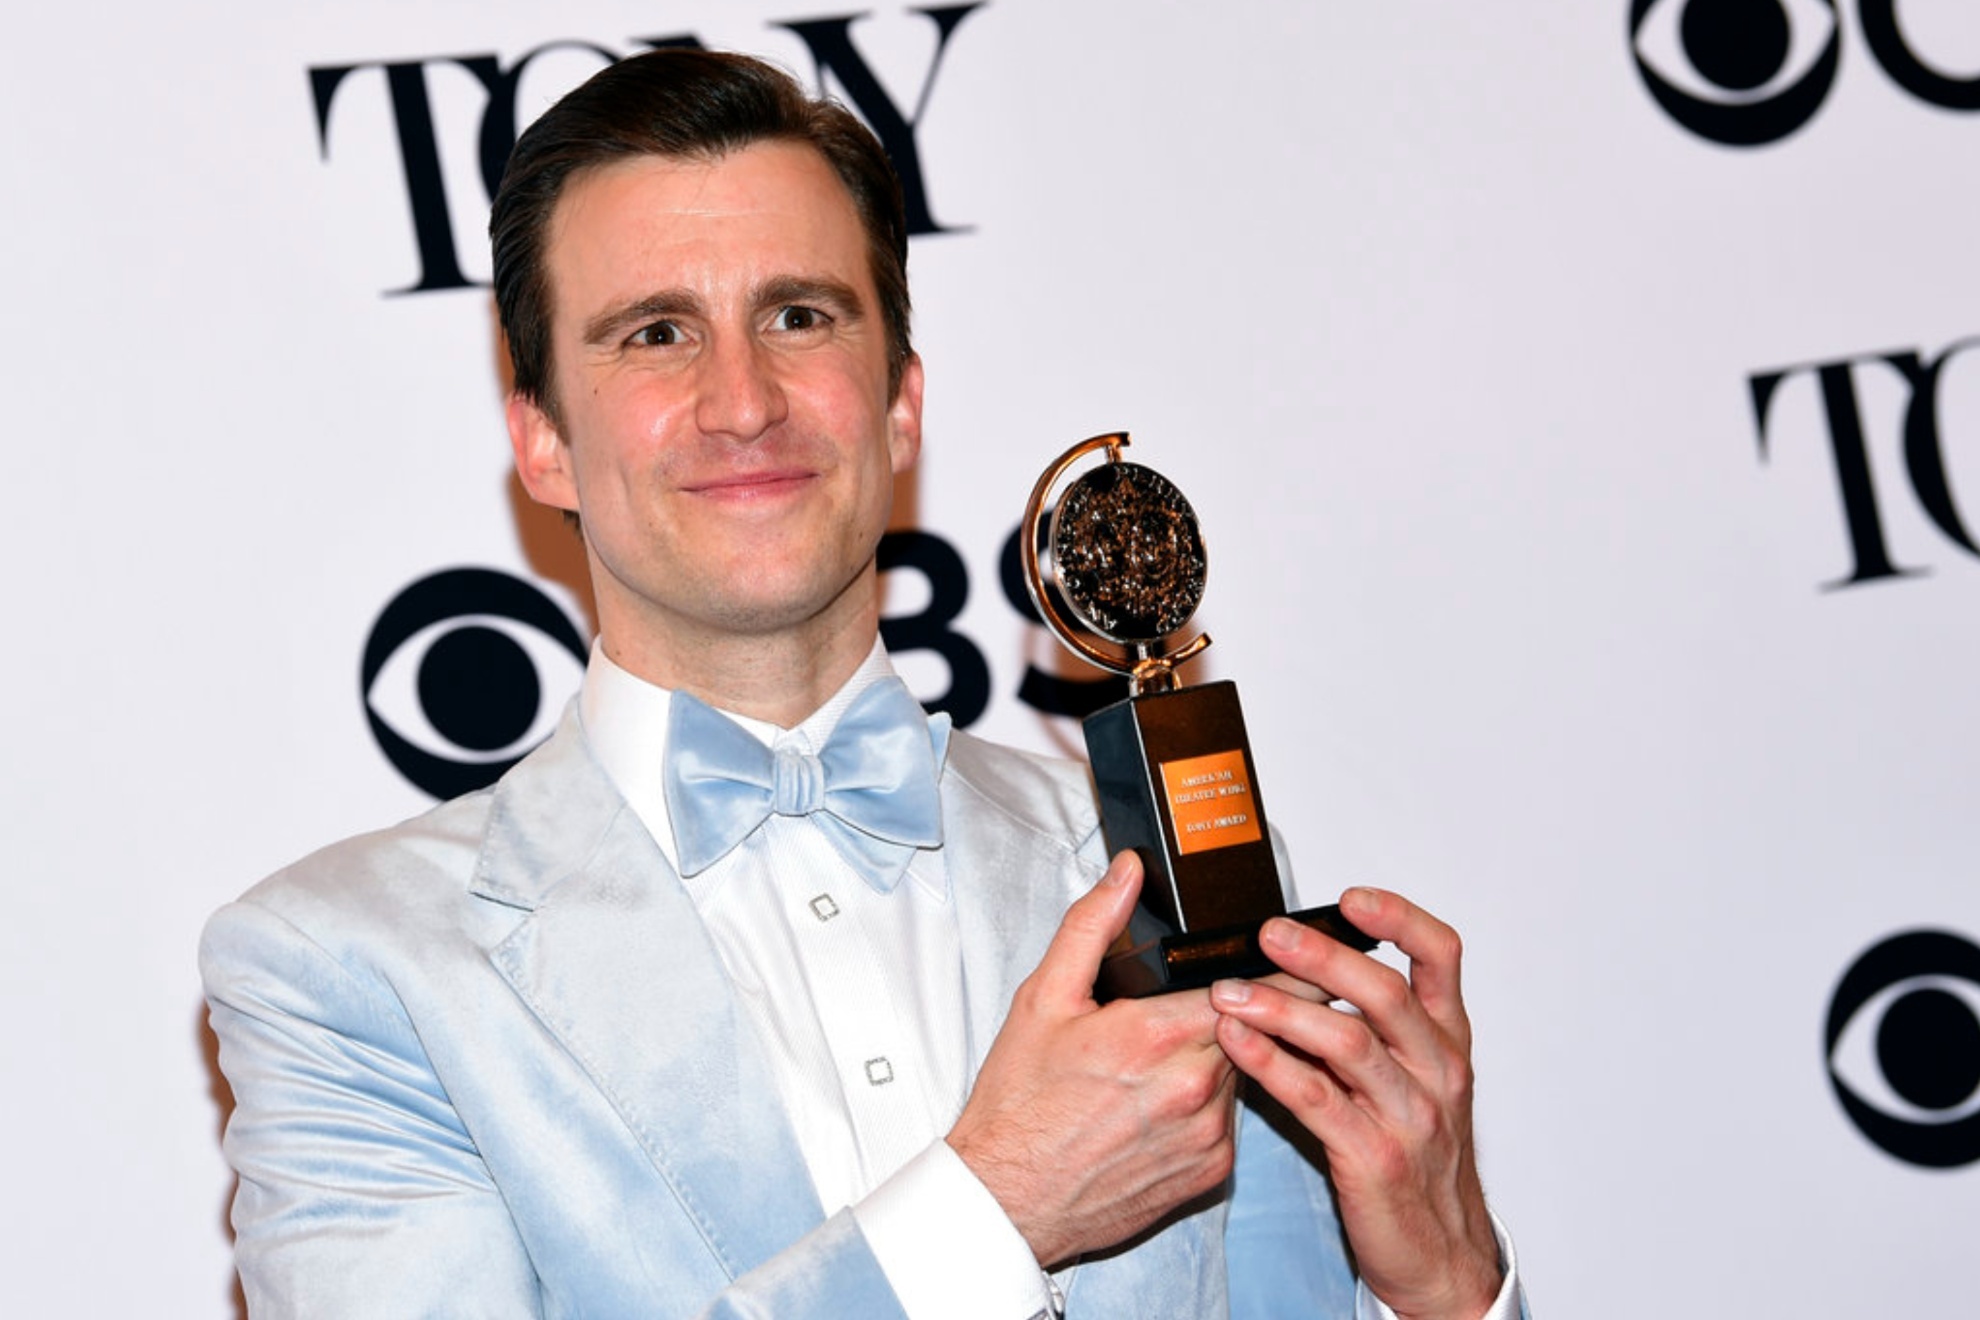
824	908
879	1072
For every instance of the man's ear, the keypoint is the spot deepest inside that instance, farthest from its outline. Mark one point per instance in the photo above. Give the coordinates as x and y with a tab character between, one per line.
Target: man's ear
543	460
904	416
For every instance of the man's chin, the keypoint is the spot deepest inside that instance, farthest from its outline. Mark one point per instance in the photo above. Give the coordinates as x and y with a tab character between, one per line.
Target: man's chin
764	609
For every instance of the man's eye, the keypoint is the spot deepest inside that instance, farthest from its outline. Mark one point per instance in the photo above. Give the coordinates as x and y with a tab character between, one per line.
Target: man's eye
657	335
799	318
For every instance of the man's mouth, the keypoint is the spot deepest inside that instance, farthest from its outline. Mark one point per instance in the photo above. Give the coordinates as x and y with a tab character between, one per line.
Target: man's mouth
746	486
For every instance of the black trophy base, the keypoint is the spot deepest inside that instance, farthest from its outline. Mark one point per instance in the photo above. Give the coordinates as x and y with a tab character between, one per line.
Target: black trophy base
1175	782
1150	960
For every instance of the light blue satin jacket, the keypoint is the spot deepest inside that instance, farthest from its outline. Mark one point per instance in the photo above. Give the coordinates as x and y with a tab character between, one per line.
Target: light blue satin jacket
487	1063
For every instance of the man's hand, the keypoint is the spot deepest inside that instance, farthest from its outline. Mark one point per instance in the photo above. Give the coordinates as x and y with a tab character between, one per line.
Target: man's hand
1387	1090
1088	1124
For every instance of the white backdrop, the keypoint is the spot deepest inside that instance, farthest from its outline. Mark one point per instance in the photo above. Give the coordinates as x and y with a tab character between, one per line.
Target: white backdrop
1446	326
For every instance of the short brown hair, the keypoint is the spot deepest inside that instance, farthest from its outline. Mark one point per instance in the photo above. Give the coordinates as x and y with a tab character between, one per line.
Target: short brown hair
681	103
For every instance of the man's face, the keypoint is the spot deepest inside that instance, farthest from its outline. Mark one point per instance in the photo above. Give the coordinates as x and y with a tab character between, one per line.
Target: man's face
720	370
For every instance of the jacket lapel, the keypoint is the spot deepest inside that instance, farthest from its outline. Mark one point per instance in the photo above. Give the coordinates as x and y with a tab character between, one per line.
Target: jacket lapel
615	963
1020	834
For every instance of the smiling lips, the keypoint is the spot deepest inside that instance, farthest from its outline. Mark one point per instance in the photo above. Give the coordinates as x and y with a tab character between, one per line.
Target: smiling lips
743	487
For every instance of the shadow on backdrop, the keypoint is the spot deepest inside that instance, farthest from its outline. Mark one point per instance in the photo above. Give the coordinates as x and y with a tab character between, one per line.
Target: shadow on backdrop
222	1097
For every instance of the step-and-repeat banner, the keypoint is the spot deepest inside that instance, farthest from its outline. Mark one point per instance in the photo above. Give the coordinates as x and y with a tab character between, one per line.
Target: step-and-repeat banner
1577	400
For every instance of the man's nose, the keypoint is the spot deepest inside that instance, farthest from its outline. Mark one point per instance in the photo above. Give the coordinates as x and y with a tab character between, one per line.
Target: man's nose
740	395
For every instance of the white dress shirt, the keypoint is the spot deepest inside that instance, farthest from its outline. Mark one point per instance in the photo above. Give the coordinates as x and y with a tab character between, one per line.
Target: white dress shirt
856	997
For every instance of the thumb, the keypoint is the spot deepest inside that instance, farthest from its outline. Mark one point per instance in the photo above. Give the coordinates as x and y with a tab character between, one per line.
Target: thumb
1066	974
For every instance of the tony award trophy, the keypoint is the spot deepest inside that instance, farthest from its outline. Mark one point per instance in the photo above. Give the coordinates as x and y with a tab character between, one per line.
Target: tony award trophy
1172	764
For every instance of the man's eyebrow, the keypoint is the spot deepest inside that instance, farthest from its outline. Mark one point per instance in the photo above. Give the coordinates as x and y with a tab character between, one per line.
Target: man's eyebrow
613	322
834	296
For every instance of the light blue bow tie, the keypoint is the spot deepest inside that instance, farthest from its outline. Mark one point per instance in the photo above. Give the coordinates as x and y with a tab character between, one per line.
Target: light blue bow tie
871	789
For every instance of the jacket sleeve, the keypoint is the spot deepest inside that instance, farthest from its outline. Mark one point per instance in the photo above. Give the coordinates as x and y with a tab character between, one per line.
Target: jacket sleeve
1284	1251
1284	1248
362	1194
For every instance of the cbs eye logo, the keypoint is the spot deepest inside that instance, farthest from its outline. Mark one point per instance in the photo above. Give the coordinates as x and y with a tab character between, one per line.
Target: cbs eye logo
456	672
1748	72
1903	1043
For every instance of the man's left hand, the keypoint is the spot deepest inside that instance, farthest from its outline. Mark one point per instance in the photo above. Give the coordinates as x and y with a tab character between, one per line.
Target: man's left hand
1386	1089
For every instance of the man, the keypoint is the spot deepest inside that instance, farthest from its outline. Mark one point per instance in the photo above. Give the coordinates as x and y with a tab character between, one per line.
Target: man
754	992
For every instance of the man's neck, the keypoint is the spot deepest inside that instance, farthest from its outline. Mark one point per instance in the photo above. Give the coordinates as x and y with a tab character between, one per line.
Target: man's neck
780	678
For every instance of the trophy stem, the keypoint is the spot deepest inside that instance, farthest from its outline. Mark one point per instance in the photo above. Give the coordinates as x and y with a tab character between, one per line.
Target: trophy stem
1157	673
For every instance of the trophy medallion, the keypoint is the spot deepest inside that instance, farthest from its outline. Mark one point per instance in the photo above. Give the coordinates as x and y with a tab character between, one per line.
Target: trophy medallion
1123	555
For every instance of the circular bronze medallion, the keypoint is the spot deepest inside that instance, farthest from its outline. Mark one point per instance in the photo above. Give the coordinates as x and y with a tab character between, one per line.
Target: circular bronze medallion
1128	553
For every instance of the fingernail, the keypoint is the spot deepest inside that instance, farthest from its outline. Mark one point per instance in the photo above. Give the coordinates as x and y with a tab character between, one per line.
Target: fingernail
1359	899
1116	875
1231	992
1282	935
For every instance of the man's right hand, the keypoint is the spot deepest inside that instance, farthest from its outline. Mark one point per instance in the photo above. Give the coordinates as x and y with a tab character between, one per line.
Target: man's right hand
1086	1123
